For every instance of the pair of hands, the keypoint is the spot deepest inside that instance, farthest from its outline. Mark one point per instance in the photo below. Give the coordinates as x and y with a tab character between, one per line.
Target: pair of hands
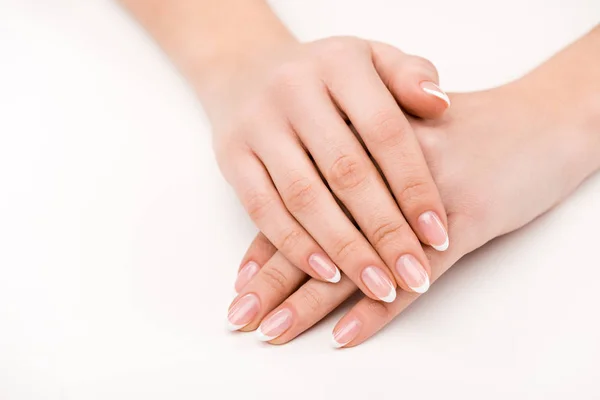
497	161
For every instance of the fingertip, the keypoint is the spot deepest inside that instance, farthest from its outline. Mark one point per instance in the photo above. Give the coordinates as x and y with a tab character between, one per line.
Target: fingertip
336	278
424	98
433	89
346	331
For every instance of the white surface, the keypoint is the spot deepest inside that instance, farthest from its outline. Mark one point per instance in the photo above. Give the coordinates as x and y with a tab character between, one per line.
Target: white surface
119	241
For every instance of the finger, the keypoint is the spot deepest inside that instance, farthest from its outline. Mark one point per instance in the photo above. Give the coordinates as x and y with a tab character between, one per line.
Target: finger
368	317
388	136
413	81
264	205
314	207
259	252
275	281
309	304
314	300
355	181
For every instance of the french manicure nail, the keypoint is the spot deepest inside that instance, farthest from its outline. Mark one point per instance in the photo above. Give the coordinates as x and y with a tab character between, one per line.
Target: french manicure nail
245	275
242	312
432	228
433	89
379	284
275	325
413	273
345	333
324	268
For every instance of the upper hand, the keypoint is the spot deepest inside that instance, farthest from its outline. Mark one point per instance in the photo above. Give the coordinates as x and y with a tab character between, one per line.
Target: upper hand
285	128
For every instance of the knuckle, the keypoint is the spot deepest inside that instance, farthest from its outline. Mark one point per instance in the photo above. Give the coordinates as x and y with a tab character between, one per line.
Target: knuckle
347	172
289	240
311	298
299	195
345	247
275	280
387	129
414	191
262	245
424	62
387	232
339	48
379	309
288	78
257	204
225	151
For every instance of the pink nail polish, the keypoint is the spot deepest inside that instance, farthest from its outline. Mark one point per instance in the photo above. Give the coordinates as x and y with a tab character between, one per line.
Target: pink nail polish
245	275
275	325
379	284
346	332
432	228
433	89
413	273
242	312
325	268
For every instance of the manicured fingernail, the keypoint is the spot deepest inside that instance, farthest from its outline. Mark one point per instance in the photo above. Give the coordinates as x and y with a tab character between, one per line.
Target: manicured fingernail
413	273
242	312
379	284
275	325
245	275
433	89
434	231
325	268
346	332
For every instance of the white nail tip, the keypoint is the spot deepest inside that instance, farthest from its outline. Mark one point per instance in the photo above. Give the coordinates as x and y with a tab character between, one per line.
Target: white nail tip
336	278
233	327
335	344
262	337
442	247
440	95
390	297
423	288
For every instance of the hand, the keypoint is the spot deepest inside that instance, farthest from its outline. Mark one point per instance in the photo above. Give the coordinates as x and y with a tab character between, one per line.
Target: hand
498	162
290	110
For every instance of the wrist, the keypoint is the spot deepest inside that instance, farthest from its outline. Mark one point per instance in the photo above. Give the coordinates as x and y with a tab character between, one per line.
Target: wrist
213	42
555	124
243	45
565	91
222	78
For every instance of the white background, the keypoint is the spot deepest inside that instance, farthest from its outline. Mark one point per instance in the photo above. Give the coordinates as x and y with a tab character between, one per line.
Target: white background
119	240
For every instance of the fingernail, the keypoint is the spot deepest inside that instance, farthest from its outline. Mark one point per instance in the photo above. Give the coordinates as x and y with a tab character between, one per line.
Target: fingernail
275	325
345	333
245	275
413	273
325	268
433	89
434	231
379	284
242	312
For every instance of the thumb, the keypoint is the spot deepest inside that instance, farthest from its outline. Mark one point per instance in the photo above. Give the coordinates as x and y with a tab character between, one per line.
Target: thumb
412	80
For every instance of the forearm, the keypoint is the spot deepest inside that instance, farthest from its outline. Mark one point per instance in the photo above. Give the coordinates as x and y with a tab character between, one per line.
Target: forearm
209	40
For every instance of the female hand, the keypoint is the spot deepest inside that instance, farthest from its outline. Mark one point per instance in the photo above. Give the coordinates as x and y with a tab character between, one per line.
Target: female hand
289	113
498	161
278	107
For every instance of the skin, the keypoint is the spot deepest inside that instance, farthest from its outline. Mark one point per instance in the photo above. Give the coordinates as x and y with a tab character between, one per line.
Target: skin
258	84
500	158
